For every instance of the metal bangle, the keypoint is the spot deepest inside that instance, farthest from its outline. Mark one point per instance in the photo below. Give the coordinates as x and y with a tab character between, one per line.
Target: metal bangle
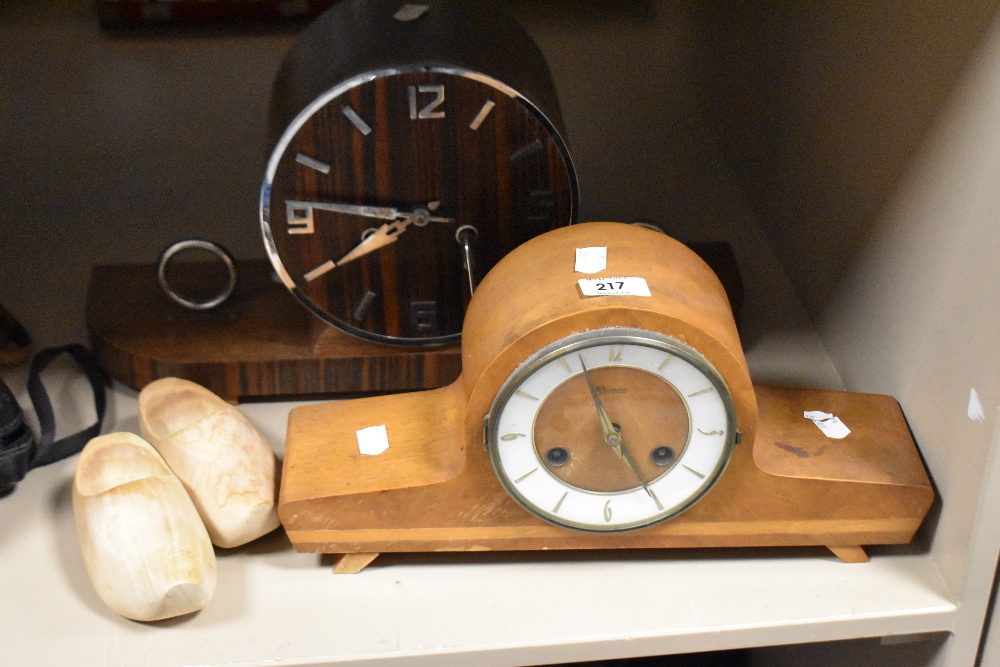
198	244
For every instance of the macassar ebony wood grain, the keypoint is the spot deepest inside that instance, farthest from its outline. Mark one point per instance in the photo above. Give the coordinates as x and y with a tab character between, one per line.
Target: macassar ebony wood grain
412	117
259	344
868	489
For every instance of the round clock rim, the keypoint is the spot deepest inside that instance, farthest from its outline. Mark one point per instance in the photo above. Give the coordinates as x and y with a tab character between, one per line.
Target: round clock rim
592	338
320	101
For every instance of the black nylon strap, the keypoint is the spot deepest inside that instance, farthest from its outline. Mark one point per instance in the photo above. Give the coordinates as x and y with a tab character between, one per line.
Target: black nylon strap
18	451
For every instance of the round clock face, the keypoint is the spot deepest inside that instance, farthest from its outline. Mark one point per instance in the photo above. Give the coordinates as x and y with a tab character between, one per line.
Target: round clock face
391	196
611	430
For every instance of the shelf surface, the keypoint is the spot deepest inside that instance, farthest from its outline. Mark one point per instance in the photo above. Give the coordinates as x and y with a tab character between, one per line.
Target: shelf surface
275	606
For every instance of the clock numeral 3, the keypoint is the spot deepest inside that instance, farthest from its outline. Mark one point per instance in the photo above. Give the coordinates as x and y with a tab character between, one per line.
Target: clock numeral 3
424	316
541	207
429	110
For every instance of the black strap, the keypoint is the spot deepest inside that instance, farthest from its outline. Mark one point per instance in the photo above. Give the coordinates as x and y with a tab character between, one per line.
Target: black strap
18	451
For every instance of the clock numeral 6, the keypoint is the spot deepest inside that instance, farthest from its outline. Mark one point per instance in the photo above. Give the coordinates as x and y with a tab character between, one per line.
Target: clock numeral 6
429	110
607	511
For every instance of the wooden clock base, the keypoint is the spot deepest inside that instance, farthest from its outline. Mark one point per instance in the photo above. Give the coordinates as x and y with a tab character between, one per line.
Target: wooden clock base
260	343
792	487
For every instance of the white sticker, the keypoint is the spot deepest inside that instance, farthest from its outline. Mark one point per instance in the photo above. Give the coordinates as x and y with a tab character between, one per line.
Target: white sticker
373	440
615	286
831	425
591	260
976	412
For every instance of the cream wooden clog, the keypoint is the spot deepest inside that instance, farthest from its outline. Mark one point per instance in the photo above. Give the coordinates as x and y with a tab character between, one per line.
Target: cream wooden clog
224	462
146	550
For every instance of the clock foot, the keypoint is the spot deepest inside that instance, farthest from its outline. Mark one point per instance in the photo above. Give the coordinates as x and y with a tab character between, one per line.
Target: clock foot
849	553
353	563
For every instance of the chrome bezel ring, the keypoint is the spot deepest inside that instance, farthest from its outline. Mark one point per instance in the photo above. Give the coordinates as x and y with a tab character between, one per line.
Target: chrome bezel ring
197	244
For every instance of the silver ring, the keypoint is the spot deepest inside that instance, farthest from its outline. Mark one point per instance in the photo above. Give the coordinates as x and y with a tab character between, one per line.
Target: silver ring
197	244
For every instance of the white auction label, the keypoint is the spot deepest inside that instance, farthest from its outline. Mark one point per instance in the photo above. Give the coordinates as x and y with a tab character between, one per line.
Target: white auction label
830	424
615	286
373	440
591	260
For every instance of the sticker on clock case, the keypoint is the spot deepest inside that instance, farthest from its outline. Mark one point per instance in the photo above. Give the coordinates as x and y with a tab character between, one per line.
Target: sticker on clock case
614	286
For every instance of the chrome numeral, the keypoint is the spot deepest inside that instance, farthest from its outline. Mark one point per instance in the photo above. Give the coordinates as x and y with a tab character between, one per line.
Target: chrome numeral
300	219
356	120
616	353
607	511
429	110
481	116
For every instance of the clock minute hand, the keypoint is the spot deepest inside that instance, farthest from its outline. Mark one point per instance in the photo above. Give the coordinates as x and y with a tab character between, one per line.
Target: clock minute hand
299	213
379	212
613	435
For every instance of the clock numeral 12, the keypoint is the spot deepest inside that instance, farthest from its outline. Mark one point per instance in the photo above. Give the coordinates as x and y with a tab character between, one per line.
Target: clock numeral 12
429	110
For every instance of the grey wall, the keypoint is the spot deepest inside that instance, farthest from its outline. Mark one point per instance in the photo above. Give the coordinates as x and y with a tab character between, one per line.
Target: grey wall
115	144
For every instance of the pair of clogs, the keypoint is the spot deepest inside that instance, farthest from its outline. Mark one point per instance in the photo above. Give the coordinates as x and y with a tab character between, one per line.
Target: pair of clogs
148	509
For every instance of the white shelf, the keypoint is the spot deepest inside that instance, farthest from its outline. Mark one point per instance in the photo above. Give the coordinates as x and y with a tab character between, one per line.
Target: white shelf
273	605
120	144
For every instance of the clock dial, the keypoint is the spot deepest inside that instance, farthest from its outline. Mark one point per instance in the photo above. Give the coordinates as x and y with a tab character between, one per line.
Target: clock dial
392	194
610	431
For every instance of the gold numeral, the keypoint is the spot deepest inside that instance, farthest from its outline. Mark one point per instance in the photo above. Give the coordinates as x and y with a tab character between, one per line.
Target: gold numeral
698	474
525	475
559	504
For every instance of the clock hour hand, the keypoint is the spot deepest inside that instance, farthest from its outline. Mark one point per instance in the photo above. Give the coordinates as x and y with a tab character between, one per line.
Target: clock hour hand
613	435
389	232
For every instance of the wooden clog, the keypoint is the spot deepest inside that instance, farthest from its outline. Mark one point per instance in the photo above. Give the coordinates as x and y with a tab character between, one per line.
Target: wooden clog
224	462
146	550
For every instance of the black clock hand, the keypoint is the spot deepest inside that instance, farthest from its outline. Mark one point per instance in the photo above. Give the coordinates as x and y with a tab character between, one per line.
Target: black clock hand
612	435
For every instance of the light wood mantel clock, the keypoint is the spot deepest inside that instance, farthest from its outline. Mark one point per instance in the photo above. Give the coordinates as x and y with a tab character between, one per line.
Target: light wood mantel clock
621	421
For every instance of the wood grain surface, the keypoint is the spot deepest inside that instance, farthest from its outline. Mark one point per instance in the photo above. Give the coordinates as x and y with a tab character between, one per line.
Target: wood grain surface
259	344
530	300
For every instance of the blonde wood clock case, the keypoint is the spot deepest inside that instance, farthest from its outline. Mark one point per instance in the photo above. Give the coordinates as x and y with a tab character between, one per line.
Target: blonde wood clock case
771	477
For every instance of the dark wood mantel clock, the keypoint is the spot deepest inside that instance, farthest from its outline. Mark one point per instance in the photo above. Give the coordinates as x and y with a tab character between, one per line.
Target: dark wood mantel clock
412	146
611	412
415	145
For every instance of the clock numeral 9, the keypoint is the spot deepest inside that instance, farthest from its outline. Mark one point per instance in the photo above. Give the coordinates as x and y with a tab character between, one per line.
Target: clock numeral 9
429	110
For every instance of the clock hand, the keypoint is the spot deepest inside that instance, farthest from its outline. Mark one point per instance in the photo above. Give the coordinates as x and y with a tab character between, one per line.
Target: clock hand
613	435
299	213
607	426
